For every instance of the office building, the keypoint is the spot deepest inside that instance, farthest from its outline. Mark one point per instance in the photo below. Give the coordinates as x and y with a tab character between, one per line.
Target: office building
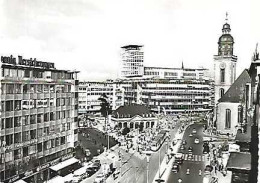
39	105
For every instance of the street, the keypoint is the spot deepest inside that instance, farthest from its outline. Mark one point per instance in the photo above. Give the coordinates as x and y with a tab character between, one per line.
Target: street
196	163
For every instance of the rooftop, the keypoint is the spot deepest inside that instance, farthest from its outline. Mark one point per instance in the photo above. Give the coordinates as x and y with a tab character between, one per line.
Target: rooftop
239	161
233	95
131	110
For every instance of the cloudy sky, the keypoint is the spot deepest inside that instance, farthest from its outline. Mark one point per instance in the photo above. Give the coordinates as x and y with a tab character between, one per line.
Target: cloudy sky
86	35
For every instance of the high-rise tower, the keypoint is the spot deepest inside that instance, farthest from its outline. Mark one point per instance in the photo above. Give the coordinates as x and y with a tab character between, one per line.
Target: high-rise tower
224	63
132	61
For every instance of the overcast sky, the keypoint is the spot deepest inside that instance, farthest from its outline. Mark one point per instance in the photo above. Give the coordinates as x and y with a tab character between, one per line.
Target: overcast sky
86	35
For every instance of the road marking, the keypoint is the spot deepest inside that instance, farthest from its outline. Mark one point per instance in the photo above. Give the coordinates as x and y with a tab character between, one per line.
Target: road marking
195	157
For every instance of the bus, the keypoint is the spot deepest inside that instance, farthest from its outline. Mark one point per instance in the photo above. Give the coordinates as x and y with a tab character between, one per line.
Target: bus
159	140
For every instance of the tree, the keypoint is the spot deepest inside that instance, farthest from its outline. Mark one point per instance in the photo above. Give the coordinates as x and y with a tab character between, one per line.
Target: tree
105	106
125	131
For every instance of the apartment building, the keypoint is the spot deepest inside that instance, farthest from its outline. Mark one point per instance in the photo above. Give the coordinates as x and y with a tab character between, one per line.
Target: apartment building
38	126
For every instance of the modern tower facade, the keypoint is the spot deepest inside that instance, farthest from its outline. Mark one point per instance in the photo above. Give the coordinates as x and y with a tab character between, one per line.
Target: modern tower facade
132	63
224	63
39	105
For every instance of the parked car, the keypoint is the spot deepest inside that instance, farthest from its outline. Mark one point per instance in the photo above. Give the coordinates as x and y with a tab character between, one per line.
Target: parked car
100	178
182	147
194	130
184	142
190	135
190	149
196	141
175	167
90	171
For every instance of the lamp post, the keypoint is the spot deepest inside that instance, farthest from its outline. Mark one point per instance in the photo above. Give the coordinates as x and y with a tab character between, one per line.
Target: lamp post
148	154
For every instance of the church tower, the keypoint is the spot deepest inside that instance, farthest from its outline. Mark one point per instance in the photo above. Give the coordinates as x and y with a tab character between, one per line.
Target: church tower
224	63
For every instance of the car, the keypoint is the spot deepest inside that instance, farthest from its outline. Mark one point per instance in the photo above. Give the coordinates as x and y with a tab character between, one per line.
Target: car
194	130
178	158
190	149
182	147
190	135
90	171
196	141
100	178
184	142
175	168
190	156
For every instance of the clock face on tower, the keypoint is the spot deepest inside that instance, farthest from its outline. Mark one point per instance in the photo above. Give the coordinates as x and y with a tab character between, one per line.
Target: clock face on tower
222	65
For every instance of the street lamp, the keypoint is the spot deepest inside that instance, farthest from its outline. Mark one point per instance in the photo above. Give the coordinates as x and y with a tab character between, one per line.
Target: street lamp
148	154
159	179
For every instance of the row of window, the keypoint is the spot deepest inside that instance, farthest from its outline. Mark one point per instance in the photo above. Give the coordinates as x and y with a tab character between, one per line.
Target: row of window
34	88
33	134
33	119
34	73
16	105
28	150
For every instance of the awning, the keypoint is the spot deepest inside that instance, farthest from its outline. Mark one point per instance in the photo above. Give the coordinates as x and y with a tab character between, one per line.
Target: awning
20	181
56	179
64	164
239	161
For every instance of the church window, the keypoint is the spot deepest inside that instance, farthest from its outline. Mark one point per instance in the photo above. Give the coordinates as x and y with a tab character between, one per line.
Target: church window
222	75
240	114
222	91
228	119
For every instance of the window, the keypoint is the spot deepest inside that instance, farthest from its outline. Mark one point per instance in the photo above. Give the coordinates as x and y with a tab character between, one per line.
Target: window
222	75
25	136
240	114
25	120
9	106
39	118
25	151
222	92
9	123
39	147
9	139
17	121
17	138
9	88
32	119
33	134
228	118
39	132
17	105
26	73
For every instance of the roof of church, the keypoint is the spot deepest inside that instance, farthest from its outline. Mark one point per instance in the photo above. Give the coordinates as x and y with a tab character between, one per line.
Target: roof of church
132	110
233	94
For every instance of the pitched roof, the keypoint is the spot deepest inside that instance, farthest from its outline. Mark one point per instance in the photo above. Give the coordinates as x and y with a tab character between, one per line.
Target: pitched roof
234	92
239	161
131	110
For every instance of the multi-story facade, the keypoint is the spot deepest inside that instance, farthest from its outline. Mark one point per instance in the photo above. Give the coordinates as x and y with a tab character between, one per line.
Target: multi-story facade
176	73
39	105
90	92
132	61
168	95
224	63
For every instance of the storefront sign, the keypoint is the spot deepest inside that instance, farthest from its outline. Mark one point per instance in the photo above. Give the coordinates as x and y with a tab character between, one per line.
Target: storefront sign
18	145
63	158
8	60
28	173
34	63
42	167
14	178
55	162
28	62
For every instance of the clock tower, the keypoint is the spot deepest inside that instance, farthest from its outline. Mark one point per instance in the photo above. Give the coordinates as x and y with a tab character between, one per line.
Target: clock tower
224	63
